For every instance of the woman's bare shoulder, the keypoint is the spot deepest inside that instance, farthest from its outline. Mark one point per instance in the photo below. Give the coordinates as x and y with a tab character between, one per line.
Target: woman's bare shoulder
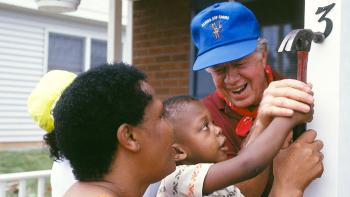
88	190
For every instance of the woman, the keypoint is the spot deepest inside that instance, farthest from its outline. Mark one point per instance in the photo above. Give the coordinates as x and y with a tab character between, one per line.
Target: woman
109	126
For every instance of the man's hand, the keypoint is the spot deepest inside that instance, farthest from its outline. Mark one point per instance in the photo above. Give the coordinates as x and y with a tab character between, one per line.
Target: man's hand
282	98
297	166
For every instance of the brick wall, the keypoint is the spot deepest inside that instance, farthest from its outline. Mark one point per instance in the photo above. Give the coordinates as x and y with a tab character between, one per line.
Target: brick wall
161	44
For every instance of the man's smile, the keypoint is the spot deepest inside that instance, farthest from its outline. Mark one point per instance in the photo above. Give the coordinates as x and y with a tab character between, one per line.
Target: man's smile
240	89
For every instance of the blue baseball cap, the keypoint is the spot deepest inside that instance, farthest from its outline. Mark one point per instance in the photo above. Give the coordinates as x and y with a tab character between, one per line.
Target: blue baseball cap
224	32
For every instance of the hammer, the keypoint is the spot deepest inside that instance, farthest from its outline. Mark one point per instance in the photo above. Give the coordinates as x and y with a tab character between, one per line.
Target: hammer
299	40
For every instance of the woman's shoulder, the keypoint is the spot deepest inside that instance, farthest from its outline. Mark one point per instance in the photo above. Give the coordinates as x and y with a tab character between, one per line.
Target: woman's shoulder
88	190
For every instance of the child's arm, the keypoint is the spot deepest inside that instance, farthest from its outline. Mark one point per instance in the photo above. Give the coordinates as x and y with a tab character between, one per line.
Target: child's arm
253	158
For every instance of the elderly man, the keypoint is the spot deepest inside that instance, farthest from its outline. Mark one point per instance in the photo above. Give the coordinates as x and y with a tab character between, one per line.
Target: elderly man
229	46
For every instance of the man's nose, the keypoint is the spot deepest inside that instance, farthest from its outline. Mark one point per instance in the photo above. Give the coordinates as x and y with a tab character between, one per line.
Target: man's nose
232	74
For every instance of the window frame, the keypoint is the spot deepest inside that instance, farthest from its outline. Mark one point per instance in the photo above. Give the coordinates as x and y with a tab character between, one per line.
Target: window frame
91	43
86	34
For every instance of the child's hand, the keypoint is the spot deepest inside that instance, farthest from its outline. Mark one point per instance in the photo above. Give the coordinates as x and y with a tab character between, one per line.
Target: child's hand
300	117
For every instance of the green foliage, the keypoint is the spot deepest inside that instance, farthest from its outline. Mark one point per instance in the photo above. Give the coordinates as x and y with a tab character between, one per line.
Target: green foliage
24	161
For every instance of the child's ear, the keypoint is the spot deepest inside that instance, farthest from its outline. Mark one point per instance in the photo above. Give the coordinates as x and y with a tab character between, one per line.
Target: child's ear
126	137
180	152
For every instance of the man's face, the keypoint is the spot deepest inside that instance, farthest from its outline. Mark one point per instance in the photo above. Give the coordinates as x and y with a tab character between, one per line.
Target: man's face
242	82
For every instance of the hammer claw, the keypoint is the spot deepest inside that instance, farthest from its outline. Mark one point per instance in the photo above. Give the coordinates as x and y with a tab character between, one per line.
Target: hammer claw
284	42
292	44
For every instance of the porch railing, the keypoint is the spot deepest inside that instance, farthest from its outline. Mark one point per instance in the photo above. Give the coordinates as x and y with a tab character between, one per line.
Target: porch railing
22	178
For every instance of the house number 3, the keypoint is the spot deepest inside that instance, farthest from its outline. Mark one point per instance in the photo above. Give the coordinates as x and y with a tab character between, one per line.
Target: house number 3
329	23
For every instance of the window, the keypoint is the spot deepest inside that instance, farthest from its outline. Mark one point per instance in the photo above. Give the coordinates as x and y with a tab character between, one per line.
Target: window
98	52
69	52
66	52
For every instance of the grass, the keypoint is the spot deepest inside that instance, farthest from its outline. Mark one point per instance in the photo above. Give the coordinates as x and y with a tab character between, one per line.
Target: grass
24	161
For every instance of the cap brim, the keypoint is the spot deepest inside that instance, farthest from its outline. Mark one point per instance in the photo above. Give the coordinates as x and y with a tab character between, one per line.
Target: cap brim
224	54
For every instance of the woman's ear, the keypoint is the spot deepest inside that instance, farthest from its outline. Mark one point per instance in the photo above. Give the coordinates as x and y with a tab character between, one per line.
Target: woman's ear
180	153
126	137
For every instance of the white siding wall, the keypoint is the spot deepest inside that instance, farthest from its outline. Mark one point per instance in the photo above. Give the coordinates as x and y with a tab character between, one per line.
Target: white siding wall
21	65
23	60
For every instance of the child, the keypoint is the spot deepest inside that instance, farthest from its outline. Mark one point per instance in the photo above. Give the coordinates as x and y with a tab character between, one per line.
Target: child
199	143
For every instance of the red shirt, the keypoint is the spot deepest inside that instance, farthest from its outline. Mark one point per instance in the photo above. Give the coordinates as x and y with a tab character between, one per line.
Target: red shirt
227	119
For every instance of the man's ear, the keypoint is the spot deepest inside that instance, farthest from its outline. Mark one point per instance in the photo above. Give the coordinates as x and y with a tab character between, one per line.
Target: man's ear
180	152
126	137
264	55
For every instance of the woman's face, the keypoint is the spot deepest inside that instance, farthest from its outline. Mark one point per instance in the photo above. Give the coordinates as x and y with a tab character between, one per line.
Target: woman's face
157	140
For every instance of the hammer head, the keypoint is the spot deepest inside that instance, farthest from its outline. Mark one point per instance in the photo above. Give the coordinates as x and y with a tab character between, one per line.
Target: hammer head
300	40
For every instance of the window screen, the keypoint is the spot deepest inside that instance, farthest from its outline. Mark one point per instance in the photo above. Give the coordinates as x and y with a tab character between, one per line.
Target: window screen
66	52
98	52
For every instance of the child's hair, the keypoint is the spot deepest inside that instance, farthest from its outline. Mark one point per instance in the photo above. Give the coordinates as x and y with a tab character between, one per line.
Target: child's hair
173	104
88	114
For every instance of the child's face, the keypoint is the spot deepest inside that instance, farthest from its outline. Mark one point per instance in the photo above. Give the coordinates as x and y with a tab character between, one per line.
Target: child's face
201	138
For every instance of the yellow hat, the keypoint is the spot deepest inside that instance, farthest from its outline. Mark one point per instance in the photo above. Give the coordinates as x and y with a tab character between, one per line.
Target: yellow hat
43	98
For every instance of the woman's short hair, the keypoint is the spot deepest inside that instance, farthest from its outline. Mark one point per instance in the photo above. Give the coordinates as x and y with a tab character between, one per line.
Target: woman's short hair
88	114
